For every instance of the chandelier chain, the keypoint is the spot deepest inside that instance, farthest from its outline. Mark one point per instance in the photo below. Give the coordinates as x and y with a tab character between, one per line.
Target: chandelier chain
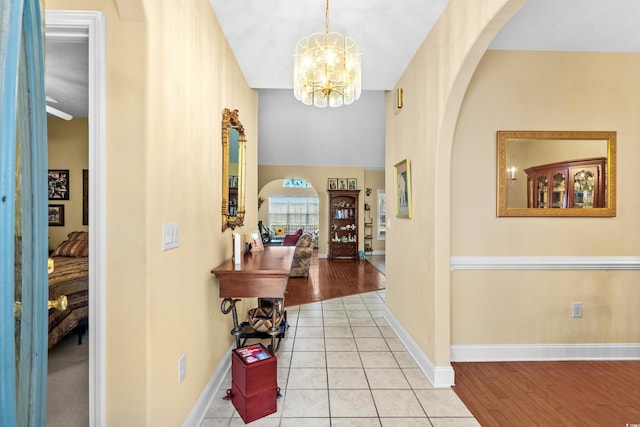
326	18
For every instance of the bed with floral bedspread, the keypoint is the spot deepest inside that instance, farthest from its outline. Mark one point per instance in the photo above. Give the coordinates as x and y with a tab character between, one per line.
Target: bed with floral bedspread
70	277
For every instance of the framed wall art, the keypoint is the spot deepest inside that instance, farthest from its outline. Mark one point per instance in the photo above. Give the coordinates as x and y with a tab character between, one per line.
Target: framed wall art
56	215
352	184
332	184
58	184
402	184
342	183
85	197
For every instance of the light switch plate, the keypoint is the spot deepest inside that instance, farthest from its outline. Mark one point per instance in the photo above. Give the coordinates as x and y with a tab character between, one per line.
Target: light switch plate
170	236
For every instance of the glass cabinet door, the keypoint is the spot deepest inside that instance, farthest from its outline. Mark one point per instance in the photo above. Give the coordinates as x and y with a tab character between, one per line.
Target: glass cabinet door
584	182
558	191
542	190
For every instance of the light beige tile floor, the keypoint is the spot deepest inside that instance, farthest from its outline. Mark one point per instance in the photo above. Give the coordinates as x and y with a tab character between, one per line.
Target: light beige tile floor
342	365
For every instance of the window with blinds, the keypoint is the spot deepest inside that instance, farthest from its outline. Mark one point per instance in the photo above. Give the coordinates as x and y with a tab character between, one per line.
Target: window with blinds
293	213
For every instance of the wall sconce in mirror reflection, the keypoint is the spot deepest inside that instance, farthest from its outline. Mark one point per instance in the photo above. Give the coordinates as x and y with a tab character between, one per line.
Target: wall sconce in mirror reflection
511	176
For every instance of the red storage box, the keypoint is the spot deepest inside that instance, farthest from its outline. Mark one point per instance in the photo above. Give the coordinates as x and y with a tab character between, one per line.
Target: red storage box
254	382
254	369
256	406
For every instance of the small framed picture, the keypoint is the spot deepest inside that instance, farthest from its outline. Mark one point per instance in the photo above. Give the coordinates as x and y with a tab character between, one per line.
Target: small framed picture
402	182
342	183
352	184
332	184
56	215
256	242
58	184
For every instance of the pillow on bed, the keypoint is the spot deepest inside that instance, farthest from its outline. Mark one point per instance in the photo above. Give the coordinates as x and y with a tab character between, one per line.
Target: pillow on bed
72	248
78	235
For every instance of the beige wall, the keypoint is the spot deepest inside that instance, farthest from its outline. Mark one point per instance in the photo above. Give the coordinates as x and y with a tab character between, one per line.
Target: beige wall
170	74
68	149
544	91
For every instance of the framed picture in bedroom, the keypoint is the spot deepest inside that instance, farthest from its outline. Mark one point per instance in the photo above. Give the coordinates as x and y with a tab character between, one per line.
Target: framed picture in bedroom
58	184
56	215
85	197
402	184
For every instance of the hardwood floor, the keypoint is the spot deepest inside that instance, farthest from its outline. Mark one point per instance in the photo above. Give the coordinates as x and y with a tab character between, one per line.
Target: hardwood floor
333	279
581	393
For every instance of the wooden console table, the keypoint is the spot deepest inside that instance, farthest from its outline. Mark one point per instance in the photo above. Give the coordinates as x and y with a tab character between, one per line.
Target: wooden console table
261	274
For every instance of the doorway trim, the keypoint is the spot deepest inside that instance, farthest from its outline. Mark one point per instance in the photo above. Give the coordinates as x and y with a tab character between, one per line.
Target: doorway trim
92	25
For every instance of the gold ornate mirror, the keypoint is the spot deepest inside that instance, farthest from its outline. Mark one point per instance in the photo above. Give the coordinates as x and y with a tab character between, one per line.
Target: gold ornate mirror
556	173
233	170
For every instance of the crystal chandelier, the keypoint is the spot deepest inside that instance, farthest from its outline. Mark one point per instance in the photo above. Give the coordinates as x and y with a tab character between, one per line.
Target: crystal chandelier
327	69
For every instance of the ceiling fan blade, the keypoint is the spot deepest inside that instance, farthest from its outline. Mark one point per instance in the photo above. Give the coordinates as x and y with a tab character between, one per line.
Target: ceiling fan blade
58	113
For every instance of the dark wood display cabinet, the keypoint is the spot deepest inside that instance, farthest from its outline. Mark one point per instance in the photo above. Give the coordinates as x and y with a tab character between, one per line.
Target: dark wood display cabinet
343	224
570	184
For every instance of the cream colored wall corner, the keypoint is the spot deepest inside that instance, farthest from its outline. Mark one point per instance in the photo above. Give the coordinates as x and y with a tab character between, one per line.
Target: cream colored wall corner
170	73
544	91
375	181
318	177
418	249
68	143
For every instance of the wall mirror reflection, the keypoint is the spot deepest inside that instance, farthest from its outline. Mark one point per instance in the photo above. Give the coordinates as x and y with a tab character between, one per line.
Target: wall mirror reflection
233	170
556	173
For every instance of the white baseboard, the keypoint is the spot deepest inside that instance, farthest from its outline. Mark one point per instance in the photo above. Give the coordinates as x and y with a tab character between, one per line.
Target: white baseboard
199	410
544	352
438	376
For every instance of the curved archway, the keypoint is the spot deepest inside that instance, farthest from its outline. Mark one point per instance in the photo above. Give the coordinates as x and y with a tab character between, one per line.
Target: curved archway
436	80
444	153
279	194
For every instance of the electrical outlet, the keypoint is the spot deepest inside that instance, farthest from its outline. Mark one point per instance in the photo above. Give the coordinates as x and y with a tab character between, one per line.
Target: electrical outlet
170	237
182	368
576	309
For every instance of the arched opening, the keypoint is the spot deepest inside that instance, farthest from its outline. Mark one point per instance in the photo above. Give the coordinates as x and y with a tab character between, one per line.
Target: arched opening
286	206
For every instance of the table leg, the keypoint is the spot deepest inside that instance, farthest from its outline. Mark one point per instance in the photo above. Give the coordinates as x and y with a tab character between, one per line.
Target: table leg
274	330
229	305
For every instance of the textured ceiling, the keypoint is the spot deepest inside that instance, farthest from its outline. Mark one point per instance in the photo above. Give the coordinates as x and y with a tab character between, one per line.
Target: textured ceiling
263	34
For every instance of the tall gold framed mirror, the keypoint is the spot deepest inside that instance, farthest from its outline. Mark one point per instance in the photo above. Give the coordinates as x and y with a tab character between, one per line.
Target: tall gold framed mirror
556	173
233	170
